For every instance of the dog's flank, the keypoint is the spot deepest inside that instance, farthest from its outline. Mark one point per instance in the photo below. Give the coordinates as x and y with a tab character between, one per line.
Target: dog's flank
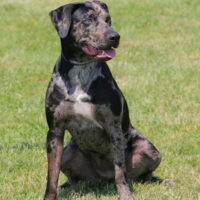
83	98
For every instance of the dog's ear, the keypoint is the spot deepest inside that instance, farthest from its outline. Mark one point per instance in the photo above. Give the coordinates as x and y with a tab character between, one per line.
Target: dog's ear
103	5
61	18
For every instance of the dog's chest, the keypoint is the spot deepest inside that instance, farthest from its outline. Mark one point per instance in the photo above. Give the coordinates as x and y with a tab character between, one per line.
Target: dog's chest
78	116
75	100
83	101
78	113
76	105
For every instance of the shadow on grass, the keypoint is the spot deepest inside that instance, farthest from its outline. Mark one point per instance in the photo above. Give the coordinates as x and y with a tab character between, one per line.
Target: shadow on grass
83	188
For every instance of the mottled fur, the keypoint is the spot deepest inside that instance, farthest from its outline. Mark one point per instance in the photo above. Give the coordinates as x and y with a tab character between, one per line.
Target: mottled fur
83	98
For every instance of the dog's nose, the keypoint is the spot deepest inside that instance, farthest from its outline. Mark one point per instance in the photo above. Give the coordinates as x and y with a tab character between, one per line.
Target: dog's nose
114	37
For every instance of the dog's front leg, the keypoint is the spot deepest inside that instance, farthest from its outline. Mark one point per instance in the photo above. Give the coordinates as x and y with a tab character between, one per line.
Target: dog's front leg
54	154
119	161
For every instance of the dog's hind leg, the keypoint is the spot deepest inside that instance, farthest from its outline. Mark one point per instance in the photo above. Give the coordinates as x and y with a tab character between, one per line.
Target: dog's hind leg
142	157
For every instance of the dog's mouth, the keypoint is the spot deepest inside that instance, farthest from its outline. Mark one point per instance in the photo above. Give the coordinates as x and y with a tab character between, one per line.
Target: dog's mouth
106	54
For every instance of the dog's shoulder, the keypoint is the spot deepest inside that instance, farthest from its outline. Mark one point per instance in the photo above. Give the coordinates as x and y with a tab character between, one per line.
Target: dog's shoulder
56	90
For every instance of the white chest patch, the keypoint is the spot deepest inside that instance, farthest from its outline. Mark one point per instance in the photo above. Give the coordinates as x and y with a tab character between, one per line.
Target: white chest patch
83	108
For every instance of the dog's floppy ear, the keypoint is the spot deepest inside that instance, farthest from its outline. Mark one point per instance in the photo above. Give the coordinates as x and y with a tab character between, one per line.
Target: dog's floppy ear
61	18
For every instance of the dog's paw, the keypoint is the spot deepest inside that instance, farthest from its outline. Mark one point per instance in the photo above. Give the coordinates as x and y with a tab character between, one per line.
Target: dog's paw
124	193
167	182
64	186
126	197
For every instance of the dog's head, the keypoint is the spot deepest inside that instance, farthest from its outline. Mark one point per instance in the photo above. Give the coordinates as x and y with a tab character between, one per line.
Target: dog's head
87	26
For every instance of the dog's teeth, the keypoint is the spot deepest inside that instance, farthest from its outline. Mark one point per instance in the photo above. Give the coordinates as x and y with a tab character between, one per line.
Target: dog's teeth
103	52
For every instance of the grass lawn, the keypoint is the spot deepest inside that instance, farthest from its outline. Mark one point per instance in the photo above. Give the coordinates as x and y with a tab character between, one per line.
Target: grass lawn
157	67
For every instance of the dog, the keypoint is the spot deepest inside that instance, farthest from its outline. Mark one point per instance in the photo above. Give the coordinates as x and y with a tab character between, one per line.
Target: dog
84	99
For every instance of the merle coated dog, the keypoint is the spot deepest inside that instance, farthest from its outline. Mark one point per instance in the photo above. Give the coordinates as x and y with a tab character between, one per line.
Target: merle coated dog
83	98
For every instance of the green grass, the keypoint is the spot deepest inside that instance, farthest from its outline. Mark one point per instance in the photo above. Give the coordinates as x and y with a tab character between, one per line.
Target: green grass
157	67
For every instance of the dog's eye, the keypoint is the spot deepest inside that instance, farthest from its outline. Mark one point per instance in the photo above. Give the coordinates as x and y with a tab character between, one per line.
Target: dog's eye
89	21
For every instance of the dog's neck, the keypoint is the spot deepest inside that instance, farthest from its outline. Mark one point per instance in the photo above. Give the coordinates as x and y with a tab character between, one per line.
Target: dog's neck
80	74
81	68
76	61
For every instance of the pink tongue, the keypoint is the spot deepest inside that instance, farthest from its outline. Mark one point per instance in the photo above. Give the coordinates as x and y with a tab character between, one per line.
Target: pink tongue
106	53
90	51
99	53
